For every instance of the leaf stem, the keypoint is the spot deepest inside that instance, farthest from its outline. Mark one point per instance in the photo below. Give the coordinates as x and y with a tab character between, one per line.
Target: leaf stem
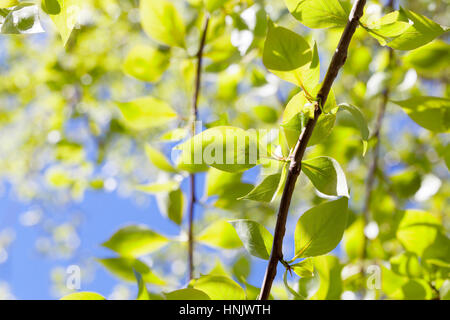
338	60
197	89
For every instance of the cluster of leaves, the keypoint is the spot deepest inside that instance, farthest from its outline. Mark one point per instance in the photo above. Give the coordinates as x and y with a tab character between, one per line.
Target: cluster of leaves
411	246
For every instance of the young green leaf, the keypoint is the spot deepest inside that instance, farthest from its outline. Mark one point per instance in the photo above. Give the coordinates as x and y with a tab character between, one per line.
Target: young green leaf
225	148
135	241
406	264
155	188
8	3
290	57
162	22
146	112
83	296
21	19
255	237
329	271
360	121
304	269
147	63
187	294
433	57
432	113
158	159
296	295
319	230
143	293
67	17
418	230
326	175
265	191
51	7
220	234
219	288
405	30
320	13
126	268
171	205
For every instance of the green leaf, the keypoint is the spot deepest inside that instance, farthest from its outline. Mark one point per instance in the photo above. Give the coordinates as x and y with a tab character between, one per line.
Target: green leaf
67	17
255	237
219	288
432	113
353	240
320	13
225	148
297	112
265	191
444	291
158	159
290	57
399	287
220	234
296	295
51	6
406	264
135	241
329	270
405	30
171	205
433	57
360	121
221	182
266	114
143	293
146	112
155	188
418	230
83	296
326	175
8	3
319	230
213	5
304	269
126	268
22	19
162	22
187	294
147	63
242	268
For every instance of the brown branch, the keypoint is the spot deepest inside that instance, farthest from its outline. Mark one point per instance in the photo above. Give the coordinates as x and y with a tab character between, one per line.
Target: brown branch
338	60
197	89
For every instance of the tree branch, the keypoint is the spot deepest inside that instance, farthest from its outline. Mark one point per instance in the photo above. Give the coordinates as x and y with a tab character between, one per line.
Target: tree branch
197	89
338	60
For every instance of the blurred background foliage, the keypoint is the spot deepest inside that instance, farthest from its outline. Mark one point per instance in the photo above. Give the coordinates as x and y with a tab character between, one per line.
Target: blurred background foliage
63	135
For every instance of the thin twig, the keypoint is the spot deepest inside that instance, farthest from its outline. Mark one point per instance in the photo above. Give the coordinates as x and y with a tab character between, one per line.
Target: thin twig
374	164
197	89
338	60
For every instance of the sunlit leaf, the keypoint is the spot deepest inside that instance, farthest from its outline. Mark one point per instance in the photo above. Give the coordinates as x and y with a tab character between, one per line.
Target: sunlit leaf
162	22
145	113
219	288
220	234
319	230
135	241
326	175
432	113
125	269
320	13
147	63
255	237
83	296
